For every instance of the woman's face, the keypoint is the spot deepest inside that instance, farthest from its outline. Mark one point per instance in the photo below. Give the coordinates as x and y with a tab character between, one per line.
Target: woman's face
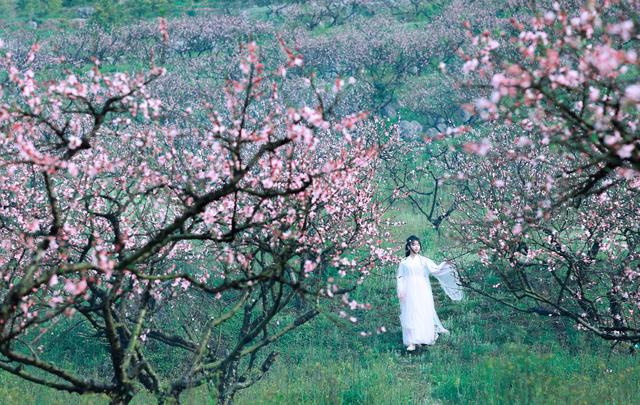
414	246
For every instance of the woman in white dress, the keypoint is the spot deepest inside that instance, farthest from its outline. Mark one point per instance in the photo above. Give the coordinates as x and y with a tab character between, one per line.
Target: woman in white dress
418	317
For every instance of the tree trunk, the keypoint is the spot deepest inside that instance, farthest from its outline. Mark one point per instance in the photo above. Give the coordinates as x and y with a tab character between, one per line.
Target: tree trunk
226	383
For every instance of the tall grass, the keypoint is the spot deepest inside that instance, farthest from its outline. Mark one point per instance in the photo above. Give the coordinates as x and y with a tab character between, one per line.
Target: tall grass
492	357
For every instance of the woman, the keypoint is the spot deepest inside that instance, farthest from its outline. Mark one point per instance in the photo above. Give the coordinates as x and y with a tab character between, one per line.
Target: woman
420	323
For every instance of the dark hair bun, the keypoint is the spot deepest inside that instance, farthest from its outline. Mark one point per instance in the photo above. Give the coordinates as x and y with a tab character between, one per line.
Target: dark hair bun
410	240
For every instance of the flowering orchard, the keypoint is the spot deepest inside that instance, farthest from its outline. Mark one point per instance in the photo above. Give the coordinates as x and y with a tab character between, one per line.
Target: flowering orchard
551	200
386	56
155	237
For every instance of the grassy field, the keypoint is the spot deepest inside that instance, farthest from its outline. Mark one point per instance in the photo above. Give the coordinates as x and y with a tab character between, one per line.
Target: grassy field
491	357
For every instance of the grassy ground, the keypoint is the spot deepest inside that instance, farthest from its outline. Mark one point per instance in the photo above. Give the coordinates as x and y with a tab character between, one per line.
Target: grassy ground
492	357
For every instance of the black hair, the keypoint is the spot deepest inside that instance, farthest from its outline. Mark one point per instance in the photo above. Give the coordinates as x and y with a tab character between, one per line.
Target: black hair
410	239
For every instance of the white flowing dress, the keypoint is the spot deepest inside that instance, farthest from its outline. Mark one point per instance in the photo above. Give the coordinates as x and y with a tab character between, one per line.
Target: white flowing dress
418	317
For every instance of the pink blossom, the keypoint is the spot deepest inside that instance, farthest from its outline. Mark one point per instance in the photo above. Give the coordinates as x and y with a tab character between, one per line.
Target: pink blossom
605	59
517	229
73	169
32	52
481	148
552	61
632	93
75	287
624	29
55	301
613	139
625	151
74	142
523	141
309	266
486	108
470	66
33	226
338	85
53	281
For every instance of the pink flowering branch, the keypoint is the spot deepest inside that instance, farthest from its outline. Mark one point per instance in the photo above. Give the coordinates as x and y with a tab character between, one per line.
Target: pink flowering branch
117	214
578	261
567	80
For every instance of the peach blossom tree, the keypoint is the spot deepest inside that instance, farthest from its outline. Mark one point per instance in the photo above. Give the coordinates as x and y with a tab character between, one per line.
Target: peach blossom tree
177	240
550	190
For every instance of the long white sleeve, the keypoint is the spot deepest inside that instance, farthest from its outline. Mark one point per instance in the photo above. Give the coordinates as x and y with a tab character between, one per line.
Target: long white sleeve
400	280
447	276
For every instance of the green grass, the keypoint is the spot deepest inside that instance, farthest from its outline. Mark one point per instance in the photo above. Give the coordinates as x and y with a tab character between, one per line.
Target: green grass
518	374
342	378
20	392
492	356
